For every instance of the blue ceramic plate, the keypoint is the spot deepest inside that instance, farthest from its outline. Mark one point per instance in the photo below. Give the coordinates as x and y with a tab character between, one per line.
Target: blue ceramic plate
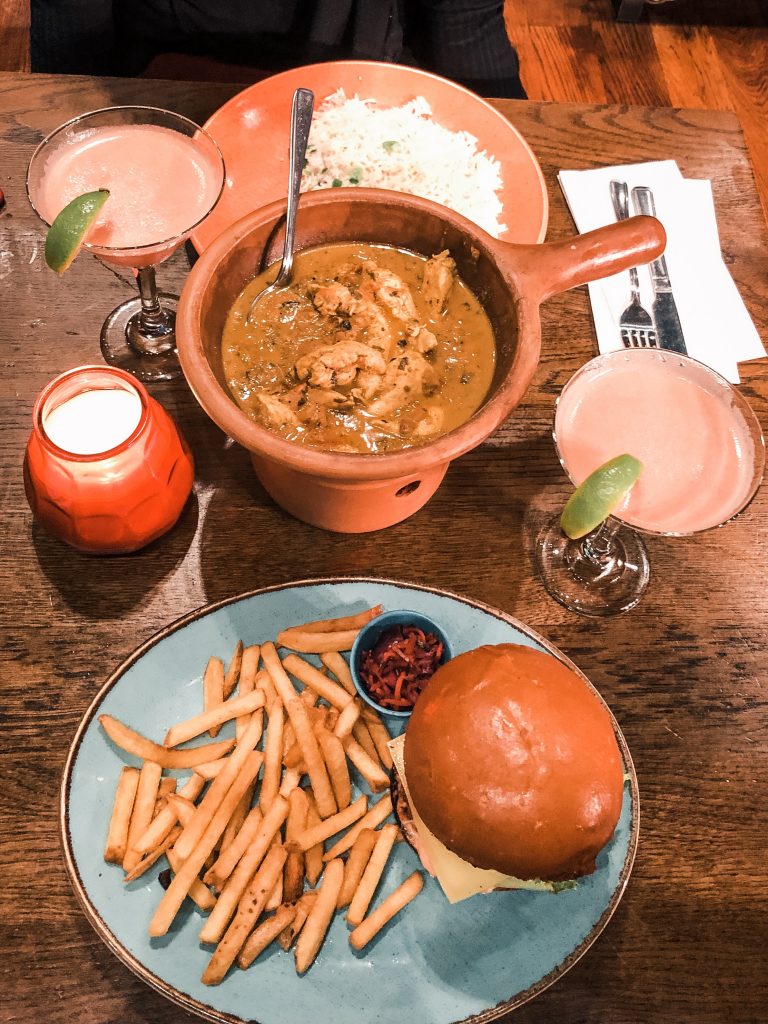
435	964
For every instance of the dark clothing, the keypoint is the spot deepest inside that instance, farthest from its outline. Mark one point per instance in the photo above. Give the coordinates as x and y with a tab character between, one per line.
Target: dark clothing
462	39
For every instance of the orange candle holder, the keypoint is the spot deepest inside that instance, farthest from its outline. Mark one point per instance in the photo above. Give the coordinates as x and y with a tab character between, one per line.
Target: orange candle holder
114	501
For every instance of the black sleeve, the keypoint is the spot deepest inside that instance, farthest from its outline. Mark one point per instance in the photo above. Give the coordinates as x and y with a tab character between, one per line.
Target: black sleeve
73	37
465	40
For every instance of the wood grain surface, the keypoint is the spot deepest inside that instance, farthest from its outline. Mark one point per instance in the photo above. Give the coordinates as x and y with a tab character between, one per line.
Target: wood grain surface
684	673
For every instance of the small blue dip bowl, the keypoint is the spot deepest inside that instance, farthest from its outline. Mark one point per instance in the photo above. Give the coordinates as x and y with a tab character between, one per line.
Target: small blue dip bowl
369	636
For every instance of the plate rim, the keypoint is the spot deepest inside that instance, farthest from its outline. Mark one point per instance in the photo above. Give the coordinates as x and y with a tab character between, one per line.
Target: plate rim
209	1013
419	72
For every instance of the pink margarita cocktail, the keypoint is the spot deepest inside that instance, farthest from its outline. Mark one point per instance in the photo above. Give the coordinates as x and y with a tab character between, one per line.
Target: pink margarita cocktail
160	184
679	419
702	456
164	174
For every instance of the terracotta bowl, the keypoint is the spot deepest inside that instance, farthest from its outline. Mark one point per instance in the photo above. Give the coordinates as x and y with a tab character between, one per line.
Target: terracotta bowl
357	493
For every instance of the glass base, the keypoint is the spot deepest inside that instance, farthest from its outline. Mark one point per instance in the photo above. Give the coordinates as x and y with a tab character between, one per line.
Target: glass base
607	586
149	356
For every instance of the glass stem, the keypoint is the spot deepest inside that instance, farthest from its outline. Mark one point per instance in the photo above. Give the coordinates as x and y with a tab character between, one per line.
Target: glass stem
151	314
598	546
151	332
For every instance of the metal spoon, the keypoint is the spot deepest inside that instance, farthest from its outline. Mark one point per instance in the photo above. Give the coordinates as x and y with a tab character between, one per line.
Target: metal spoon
301	121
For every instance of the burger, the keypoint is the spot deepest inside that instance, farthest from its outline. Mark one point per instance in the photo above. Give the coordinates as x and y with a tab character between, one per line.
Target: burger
509	774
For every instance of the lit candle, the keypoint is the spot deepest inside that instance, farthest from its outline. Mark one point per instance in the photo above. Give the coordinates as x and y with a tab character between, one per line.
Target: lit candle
94	421
106	469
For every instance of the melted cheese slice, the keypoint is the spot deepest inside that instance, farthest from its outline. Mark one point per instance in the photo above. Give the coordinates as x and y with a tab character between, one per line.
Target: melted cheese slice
458	878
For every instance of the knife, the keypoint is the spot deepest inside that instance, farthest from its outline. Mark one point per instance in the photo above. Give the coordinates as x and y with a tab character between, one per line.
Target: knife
669	332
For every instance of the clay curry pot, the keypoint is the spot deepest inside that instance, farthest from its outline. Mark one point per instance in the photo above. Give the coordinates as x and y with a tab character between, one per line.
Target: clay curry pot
352	493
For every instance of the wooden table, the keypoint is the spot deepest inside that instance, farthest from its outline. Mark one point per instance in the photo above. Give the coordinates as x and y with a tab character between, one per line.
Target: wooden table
684	672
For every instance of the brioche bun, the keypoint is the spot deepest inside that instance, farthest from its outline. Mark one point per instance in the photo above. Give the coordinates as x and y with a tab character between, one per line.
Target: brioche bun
512	763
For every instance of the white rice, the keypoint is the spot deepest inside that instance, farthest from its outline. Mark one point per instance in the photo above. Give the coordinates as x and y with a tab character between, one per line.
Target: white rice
353	142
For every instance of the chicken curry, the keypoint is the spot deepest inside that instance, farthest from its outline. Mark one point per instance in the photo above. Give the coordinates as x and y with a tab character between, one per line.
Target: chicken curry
370	349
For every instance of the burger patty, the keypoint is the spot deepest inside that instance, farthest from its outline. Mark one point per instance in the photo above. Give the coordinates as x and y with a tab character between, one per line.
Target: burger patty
402	810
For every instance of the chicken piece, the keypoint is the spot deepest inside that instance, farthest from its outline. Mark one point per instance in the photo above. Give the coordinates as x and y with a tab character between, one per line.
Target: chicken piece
366	385
439	275
333	299
402	383
395	294
425	341
431	423
276	412
361	312
331	366
330	399
369	318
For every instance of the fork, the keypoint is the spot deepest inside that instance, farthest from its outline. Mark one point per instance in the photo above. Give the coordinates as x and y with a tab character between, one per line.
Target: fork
635	323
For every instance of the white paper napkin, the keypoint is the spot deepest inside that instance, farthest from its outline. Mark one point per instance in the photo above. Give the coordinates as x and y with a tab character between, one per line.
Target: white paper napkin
717	327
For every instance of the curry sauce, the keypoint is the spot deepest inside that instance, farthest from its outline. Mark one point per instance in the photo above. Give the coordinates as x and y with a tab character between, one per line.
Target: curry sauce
370	349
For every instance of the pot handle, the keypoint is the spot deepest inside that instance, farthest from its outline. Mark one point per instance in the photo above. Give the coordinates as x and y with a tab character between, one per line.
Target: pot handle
557	266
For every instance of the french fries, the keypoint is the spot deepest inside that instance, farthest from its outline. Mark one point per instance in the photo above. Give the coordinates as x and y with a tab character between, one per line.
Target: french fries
380	811
359	855
250	909
183	809
266	933
213	688
223	828
233	671
134	743
316	681
289	935
146	862
378	732
117	837
264	683
291	779
306	642
313	759
163	822
210	769
336	762
228	857
214	717
356	621
313	857
293	876
276	896
249	667
336	664
370	879
174	895
346	720
219	788
237	883
376	778
270	780
235	823
248	670
165	788
143	810
393	904
319	917
198	893
330	826
305	737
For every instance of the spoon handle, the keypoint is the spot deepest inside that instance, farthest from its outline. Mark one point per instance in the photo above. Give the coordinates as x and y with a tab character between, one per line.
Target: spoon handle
301	121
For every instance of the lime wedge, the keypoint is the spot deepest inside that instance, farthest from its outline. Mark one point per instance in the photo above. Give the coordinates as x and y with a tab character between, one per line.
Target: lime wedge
66	234
598	495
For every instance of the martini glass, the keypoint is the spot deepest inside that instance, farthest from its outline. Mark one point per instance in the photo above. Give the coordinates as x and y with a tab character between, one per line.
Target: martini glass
164	174
703	458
